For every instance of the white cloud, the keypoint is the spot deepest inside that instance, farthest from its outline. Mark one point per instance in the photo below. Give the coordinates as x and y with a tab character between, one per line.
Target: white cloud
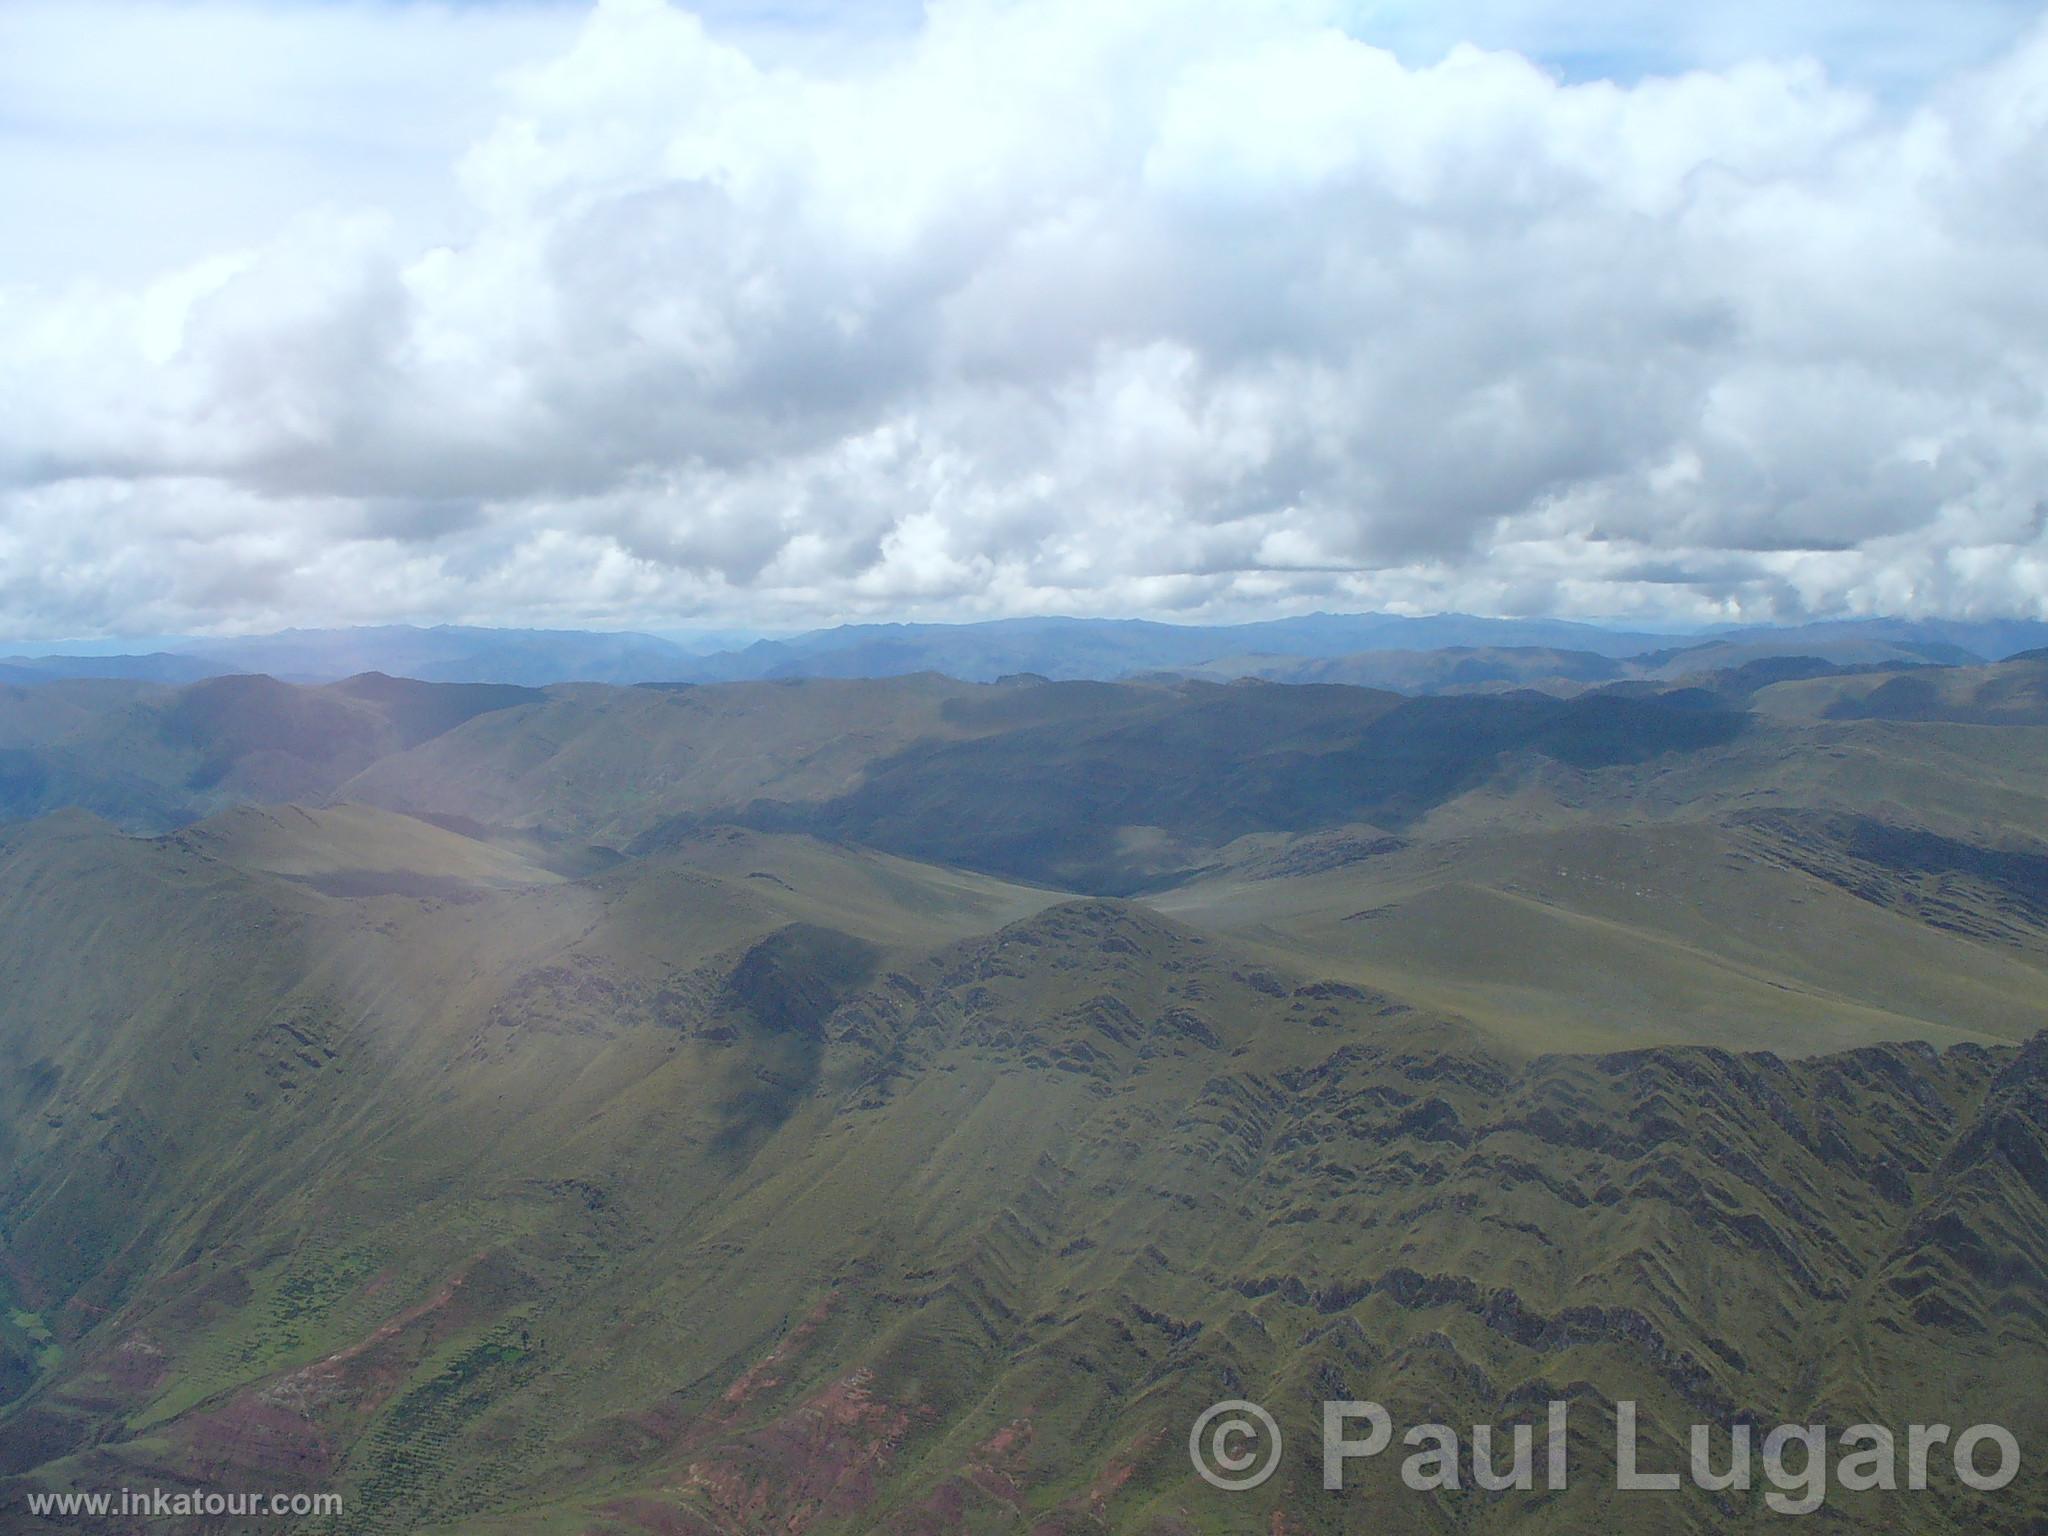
1214	308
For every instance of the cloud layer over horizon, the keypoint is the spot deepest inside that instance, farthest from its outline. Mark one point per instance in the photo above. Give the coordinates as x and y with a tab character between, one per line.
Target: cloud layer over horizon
1209	310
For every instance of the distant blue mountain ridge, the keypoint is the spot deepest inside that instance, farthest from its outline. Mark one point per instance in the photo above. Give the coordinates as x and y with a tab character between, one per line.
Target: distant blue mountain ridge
1356	647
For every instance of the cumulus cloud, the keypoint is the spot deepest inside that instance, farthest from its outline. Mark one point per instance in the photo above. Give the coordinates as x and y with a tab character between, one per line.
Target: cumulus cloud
1209	309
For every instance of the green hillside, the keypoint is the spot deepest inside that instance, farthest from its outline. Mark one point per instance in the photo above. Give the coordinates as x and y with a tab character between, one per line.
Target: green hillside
1672	932
836	1108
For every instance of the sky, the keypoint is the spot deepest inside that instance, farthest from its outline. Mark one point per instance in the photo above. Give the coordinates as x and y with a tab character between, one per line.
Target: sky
765	315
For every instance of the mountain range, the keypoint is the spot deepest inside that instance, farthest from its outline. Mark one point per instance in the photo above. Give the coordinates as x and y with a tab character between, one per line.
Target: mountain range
1368	648
832	1104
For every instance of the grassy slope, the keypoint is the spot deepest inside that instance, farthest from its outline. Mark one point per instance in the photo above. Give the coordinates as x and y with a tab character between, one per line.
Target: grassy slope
156	758
1599	937
2011	693
338	843
523	1248
763	1182
1748	935
609	763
